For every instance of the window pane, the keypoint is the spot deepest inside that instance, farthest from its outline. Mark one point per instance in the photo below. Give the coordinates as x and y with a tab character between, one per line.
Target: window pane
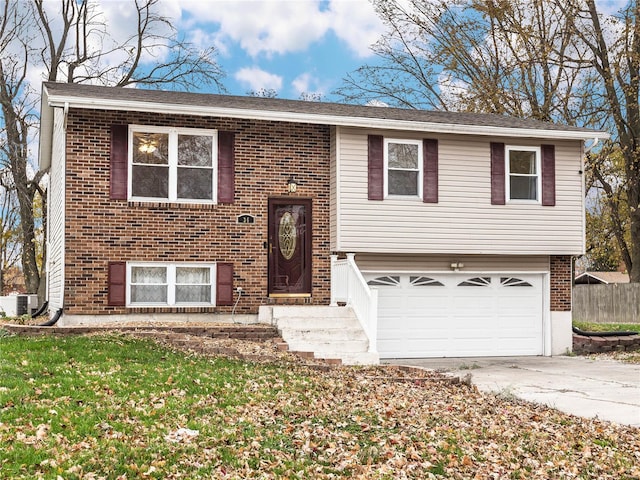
148	294
523	188
403	155
195	183
148	275
195	150
522	162
193	293
192	275
151	148
150	181
402	182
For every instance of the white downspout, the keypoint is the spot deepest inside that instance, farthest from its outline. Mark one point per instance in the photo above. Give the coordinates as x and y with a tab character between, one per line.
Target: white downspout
66	114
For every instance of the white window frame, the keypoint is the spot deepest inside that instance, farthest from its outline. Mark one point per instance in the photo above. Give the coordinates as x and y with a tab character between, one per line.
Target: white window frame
173	133
387	141
171	283
538	153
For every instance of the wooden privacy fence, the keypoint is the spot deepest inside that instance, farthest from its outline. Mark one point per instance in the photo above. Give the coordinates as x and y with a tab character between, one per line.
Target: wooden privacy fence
612	303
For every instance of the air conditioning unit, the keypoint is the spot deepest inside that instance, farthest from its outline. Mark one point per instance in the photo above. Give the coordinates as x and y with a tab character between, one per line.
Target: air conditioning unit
18	305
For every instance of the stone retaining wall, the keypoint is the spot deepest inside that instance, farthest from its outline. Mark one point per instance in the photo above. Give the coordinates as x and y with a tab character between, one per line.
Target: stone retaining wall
253	333
584	344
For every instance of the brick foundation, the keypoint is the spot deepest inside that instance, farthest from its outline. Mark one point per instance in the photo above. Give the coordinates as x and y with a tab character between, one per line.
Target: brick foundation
255	333
560	267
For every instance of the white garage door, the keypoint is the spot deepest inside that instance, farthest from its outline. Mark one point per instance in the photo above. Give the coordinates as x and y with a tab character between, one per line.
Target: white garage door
458	315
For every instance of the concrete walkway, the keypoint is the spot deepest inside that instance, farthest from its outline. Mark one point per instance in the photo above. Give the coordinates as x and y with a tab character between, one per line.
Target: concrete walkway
603	389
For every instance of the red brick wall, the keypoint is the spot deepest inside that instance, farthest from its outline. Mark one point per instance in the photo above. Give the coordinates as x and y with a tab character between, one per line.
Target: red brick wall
560	266
99	230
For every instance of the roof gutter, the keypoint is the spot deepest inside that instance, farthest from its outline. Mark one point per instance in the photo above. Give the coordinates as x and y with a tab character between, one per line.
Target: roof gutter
596	140
322	119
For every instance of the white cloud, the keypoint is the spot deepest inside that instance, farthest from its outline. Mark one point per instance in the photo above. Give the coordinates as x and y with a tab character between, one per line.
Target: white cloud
271	27
121	24
255	79
302	83
357	24
264	27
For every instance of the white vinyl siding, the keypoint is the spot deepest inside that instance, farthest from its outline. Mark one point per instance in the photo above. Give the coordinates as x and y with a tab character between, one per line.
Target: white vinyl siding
333	186
369	262
56	217
463	221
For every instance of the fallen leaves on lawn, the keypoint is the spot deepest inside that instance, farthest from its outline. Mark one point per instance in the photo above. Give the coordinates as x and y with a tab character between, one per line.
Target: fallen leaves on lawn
286	420
181	435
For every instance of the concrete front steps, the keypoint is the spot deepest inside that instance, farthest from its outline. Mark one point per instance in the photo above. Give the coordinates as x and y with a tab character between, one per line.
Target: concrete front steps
328	332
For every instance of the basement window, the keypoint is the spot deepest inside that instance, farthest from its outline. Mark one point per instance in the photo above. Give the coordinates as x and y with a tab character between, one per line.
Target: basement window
162	284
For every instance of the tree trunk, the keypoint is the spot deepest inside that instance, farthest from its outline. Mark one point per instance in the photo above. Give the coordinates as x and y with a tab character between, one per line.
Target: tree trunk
16	134
633	267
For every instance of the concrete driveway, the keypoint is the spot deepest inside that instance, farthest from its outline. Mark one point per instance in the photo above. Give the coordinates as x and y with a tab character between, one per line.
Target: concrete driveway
603	389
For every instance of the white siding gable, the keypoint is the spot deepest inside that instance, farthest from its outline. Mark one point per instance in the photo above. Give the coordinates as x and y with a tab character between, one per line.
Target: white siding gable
56	214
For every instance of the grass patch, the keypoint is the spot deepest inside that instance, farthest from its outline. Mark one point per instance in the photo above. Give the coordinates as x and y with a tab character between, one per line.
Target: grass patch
116	407
607	327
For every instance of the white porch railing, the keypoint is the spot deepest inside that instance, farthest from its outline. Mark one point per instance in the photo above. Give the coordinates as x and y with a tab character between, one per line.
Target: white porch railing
349	286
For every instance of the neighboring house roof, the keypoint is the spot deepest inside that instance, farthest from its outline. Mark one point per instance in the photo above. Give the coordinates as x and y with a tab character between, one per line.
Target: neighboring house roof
601	277
69	95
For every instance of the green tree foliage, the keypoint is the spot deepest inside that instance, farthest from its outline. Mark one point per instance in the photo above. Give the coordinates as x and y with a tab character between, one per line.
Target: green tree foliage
608	214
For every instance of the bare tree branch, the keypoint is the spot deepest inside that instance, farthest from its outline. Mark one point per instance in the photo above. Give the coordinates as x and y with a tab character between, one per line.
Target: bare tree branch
553	60
74	44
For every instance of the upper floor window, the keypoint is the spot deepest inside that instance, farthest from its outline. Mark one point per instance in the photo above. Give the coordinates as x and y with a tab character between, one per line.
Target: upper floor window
523	173
173	164
403	167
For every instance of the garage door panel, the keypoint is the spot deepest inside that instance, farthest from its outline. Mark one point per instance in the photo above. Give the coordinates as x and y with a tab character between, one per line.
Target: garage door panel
517	346
432	303
463	315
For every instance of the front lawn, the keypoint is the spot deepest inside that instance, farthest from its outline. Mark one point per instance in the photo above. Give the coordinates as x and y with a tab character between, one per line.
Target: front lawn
116	407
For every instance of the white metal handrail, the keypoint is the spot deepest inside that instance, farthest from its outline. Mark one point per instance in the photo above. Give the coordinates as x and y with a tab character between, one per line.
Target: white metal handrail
349	286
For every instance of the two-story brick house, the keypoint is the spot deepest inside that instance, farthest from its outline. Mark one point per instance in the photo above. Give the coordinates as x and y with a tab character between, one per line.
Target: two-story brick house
165	204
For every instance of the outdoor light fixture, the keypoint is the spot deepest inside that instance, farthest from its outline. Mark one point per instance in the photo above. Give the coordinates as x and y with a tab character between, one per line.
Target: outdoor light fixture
456	266
147	145
292	185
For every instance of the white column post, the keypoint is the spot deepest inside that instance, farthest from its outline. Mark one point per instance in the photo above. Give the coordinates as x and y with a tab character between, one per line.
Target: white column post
351	261
373	321
334	259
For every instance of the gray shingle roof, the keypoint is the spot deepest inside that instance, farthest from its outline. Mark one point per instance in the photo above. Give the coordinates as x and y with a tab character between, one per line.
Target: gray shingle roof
160	97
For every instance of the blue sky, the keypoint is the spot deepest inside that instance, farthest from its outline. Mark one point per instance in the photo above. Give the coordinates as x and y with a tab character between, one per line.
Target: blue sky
291	46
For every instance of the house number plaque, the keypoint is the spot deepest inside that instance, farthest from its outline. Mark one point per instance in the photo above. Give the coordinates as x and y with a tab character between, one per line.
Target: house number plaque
246	218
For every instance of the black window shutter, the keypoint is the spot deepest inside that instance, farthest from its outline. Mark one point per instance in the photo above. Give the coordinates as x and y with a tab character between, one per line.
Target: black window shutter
548	175
226	167
376	167
117	280
497	174
224	284
430	171
118	160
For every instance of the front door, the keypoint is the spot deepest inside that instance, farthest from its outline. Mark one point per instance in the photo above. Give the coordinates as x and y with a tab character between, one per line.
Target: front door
289	247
